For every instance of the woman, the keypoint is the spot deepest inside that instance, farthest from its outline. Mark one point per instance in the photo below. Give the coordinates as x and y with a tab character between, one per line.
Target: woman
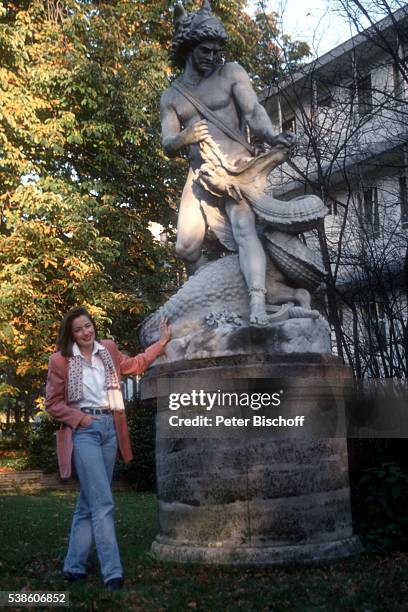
83	392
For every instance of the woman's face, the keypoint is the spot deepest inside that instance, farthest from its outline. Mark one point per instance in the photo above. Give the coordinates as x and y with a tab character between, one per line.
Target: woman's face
83	332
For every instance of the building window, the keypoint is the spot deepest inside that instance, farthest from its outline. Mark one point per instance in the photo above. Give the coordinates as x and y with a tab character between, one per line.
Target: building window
378	328
326	101
369	212
398	82
365	95
333	207
403	199
289	125
325	98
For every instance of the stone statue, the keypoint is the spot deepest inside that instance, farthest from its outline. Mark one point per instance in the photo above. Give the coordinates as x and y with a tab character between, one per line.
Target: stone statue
250	495
211	109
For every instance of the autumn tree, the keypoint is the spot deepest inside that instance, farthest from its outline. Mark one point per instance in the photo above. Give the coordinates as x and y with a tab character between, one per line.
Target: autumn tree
82	173
82	170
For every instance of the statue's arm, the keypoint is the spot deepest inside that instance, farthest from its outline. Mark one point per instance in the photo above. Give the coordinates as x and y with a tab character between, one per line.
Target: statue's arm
252	112
174	137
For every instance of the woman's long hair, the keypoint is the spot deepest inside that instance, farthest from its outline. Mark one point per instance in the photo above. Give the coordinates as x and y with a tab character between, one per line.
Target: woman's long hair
65	338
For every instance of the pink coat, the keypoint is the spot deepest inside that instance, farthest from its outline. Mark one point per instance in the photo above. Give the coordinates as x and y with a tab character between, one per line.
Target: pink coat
56	400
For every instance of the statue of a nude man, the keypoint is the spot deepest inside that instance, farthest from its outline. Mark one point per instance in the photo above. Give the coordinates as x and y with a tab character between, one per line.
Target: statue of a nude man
226	90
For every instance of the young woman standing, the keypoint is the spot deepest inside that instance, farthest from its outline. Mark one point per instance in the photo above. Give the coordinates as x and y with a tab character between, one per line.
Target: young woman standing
83	393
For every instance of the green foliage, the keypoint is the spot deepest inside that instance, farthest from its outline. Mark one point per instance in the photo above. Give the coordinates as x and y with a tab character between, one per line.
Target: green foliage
141	471
15	436
82	174
382	507
274	55
42	446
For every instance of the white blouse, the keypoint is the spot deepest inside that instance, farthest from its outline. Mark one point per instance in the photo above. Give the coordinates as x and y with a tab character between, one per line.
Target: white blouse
93	375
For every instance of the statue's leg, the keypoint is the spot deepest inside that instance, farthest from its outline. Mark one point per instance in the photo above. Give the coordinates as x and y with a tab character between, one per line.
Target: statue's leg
190	228
280	292
252	258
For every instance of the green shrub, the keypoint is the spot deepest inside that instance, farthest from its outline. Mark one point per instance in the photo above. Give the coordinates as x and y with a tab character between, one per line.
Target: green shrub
15	436
382	508
141	471
42	447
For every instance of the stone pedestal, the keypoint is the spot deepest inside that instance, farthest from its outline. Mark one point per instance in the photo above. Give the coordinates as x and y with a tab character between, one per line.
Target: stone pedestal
257	496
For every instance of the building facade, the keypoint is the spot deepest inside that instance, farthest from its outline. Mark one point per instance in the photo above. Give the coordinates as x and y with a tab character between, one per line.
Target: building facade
349	109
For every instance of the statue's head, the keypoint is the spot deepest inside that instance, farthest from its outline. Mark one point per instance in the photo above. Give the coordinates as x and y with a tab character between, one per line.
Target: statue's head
192	29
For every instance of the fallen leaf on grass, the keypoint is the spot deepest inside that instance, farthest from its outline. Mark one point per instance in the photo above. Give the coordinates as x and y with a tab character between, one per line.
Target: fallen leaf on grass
202	578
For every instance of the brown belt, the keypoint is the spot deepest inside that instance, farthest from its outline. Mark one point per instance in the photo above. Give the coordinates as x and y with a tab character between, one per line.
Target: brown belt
95	411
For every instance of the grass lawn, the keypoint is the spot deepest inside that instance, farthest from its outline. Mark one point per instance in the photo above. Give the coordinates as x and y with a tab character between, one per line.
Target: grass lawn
33	537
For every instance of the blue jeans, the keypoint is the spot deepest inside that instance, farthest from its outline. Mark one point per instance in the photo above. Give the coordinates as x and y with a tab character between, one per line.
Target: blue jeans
95	448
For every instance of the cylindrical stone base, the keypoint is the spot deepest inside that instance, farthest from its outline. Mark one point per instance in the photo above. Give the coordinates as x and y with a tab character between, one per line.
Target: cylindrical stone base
255	555
257	499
